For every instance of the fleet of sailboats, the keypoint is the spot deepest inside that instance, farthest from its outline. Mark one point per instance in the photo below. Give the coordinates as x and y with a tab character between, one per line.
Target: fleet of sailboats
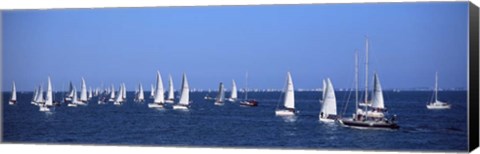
288	108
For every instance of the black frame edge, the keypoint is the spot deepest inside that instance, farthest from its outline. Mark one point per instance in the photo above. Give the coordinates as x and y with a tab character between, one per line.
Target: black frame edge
473	92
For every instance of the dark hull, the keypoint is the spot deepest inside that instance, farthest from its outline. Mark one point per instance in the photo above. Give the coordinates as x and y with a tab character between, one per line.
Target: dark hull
251	103
370	124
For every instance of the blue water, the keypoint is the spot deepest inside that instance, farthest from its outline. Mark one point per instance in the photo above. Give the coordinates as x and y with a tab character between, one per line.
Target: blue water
231	125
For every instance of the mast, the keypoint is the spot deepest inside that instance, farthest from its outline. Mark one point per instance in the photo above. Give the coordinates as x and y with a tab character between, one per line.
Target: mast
366	74
246	86
356	81
436	85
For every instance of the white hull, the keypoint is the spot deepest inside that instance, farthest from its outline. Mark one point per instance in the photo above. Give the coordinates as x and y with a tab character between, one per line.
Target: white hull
232	100
219	103
68	99
326	120
180	107
436	107
72	105
101	102
284	113
117	103
155	105
46	109
170	101
11	103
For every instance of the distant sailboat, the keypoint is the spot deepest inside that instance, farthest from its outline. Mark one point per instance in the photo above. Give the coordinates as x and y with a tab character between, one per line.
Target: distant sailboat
83	94
184	101
246	101
221	95
233	96
35	95
90	94
328	113
69	96
48	105
119	99
140	96
152	91
74	101
289	99
171	96
159	98
112	94
124	93
39	100
436	104
13	98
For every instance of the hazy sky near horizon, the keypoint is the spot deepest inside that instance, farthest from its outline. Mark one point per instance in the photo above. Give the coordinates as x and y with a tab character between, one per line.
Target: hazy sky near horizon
408	43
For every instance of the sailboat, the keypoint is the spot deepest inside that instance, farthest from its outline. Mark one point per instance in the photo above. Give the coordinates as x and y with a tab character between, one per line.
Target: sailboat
158	99
328	113
124	93
112	94
48	105
289	99
437	104
90	94
152	91
39	100
184	101
373	115
74	101
13	98
83	94
70	92
171	96
35	95
246	101
120	98
139	97
233	95
221	95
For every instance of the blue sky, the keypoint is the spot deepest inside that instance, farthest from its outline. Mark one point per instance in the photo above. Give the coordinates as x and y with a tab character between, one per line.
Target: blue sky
408	43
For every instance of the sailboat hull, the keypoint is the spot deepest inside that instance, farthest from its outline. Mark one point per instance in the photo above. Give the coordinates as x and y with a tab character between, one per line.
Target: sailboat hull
155	105
72	105
232	100
180	107
251	103
46	109
219	103
170	101
437	107
284	113
12	102
369	124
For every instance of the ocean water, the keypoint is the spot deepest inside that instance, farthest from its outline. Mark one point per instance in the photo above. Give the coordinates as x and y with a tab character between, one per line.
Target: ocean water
232	125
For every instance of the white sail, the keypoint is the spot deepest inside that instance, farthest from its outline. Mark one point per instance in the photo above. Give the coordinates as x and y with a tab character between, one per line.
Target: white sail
221	94
49	95
40	98
377	93
140	95
90	93
234	96
159	92
70	91
74	96
170	89
124	92
329	105
83	91
112	93
185	92
289	100
152	91
35	95
119	95
324	89
14	92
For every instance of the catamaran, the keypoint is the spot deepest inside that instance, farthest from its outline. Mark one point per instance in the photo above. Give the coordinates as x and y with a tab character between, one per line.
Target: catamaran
158	100
48	105
13	98
184	102
288	101
246	101
221	95
437	104
171	96
373	115
233	95
328	113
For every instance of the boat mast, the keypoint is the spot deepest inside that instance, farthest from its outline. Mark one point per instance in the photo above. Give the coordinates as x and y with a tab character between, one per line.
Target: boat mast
246	86
356	81
436	85
366	73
